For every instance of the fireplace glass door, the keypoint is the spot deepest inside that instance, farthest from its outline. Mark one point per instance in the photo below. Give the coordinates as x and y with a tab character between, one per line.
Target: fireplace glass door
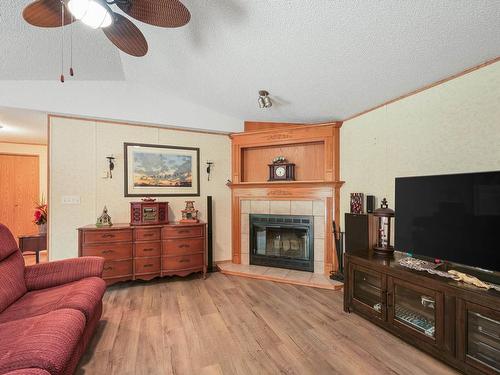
282	241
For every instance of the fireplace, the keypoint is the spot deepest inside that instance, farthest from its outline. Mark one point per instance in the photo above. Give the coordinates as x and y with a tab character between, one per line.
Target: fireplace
284	241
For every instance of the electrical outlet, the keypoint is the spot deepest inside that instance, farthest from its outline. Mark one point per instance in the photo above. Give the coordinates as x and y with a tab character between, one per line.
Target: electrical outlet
70	199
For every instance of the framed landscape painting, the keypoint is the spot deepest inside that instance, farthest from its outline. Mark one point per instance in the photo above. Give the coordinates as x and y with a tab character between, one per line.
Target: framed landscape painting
161	171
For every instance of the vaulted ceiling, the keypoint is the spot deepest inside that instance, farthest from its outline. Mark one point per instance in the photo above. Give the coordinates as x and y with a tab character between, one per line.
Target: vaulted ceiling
321	60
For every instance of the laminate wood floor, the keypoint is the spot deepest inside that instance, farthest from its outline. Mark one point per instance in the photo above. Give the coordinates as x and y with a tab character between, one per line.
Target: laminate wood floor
235	325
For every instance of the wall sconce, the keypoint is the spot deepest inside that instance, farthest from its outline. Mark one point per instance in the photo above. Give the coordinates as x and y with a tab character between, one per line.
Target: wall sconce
111	160
209	168
264	99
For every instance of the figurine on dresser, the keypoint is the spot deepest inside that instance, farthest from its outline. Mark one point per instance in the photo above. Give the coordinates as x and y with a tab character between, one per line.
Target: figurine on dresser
189	214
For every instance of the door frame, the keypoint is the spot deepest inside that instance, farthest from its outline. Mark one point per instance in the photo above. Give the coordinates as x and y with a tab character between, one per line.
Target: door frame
47	169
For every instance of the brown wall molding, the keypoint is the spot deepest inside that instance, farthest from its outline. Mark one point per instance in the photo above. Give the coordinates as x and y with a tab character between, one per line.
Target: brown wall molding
25	143
427	87
128	123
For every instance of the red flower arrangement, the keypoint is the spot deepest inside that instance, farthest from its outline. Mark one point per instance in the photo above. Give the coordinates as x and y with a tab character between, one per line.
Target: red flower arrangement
40	215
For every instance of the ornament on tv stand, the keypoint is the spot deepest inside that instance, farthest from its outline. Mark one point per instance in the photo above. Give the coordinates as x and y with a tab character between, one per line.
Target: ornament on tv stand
384	214
356	203
189	213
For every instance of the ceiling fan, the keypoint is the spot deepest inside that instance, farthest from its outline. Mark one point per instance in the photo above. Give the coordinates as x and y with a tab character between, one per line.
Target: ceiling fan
98	14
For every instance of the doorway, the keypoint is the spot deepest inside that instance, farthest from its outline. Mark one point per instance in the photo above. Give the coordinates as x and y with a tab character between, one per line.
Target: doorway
24	179
20	187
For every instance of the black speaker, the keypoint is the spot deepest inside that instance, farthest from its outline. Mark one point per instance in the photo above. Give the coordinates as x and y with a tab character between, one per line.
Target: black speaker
360	232
210	249
370	203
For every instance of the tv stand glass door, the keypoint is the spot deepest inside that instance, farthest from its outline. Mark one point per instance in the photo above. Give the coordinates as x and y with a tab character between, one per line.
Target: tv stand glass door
479	337
416	310
369	291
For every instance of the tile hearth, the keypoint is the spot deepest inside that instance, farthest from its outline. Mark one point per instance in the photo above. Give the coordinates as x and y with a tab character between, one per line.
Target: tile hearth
280	275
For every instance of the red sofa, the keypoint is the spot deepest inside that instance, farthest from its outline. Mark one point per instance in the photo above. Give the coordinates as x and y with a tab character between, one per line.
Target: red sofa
48	312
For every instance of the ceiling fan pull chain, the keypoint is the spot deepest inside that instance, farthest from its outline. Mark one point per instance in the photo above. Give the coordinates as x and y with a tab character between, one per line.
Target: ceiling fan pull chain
62	42
71	71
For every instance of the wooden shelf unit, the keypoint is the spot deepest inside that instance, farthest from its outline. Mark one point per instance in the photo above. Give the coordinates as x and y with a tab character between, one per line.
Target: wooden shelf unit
313	148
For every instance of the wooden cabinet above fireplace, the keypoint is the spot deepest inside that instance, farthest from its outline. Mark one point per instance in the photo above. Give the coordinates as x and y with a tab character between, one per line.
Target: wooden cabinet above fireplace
314	149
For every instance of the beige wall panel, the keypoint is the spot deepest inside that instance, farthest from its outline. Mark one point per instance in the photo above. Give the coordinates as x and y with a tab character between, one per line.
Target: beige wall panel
79	149
451	128
72	173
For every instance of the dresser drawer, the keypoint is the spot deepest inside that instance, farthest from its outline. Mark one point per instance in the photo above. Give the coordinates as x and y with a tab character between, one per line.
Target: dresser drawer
182	262
117	268
182	232
183	246
147	265
148	249
111	251
101	236
147	234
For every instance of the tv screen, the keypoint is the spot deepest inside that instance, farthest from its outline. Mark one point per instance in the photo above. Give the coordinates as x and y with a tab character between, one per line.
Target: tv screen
450	217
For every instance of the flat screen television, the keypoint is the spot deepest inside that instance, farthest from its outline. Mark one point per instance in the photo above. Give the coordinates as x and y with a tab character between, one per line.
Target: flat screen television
450	217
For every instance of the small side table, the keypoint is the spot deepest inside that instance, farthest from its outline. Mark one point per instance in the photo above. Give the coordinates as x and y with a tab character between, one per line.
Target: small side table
33	242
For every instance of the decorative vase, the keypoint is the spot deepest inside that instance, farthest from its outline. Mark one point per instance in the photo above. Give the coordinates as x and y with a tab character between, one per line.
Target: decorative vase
42	228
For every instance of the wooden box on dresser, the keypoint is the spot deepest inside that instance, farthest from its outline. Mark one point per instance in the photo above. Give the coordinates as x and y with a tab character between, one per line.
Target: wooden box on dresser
145	252
456	323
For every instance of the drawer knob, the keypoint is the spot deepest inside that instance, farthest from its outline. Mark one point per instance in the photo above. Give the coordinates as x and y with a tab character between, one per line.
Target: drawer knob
184	245
148	234
183	231
107	251
108	235
148	265
108	268
184	261
149	249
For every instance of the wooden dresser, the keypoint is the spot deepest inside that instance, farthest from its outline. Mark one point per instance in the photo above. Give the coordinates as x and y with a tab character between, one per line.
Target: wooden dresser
145	252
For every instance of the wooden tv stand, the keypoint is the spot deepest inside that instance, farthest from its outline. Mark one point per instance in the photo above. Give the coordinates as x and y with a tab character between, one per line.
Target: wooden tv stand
454	322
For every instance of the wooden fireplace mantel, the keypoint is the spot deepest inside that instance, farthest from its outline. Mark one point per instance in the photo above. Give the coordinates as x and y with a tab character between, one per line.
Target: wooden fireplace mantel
315	151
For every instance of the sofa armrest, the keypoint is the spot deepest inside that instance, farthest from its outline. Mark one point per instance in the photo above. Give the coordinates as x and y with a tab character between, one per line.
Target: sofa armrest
28	371
46	275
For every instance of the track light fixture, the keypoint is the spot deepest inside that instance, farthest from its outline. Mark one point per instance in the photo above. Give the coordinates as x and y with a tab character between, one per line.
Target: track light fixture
264	99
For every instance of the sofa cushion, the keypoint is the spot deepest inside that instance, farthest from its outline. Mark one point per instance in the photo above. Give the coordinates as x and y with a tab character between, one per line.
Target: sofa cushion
45	341
83	295
12	285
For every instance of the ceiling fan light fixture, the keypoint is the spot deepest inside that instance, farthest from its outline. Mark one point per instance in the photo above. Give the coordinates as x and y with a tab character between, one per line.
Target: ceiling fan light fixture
78	8
93	13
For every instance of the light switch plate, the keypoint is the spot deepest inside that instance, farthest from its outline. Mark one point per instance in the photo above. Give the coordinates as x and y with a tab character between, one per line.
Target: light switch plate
70	199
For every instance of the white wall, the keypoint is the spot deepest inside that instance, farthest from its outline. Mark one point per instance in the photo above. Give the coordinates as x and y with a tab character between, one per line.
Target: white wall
78	150
27	149
114	100
451	128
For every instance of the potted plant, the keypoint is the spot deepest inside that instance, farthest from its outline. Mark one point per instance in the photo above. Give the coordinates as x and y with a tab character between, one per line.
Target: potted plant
40	216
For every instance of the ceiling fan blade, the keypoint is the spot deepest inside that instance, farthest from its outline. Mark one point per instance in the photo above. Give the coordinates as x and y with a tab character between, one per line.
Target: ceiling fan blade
163	13
126	36
46	13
